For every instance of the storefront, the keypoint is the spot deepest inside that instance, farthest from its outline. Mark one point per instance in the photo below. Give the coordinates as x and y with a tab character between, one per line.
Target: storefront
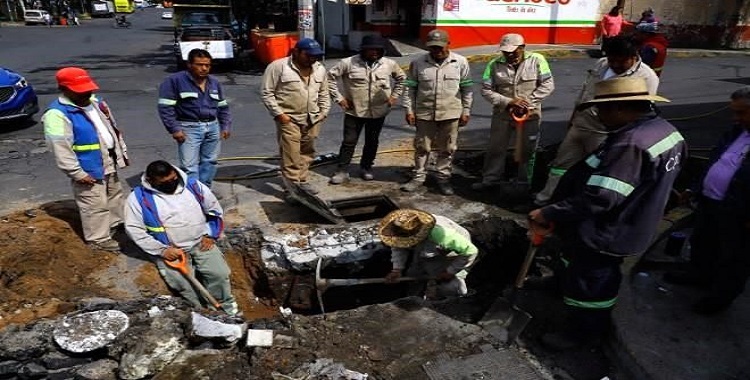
482	22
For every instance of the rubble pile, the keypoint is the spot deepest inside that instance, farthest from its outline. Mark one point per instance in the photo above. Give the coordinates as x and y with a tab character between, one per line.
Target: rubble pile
161	338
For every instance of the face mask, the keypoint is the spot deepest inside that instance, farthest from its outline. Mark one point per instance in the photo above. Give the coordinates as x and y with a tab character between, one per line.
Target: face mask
168	187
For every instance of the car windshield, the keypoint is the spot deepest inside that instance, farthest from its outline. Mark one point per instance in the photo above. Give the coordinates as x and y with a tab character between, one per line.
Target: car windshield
201	19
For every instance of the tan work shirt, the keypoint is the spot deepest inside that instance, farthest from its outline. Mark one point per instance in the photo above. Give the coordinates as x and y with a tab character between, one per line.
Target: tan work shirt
285	91
532	80
588	119
438	91
367	87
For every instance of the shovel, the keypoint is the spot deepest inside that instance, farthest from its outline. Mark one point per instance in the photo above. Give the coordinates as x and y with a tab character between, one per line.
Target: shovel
181	266
505	320
519	115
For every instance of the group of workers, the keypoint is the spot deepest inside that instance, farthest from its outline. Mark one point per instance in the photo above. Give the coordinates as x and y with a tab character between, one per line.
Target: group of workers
606	191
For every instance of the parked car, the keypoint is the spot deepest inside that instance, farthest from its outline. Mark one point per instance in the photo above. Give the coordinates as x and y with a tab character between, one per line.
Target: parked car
17	97
34	16
166	15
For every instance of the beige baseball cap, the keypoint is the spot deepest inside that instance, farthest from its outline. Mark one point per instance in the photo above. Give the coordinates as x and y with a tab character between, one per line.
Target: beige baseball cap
437	37
510	42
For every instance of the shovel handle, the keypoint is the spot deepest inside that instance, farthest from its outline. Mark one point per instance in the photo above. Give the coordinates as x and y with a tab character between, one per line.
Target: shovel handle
537	238
520	120
180	264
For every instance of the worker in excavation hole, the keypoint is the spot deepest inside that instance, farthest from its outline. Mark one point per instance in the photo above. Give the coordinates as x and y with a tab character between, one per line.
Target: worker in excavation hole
442	250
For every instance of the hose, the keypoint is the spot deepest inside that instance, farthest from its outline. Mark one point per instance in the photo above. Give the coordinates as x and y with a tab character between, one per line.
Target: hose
273	172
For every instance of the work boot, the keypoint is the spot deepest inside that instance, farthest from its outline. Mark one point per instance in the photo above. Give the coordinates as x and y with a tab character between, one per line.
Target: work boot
339	177
108	245
308	188
367	175
445	188
413	185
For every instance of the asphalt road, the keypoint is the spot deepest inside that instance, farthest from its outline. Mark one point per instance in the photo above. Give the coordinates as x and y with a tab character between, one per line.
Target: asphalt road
128	65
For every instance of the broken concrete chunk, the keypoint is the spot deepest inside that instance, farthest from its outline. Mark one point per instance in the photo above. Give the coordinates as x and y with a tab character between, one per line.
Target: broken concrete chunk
326	369
210	329
32	371
259	338
57	360
9	368
90	331
284	341
105	369
31	342
147	361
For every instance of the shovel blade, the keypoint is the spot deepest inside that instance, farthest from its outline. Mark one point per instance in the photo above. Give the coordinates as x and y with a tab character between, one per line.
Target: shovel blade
504	320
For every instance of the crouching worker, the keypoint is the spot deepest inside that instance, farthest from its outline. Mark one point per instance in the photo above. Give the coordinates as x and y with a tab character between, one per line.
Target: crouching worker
170	214
440	249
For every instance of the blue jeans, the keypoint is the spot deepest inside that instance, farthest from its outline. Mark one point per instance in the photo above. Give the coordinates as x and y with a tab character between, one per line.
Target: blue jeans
199	153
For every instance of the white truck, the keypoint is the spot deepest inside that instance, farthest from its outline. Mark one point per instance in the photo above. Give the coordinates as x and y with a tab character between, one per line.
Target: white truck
101	8
204	25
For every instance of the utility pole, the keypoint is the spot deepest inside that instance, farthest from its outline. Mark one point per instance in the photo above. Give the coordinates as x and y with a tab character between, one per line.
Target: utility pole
305	19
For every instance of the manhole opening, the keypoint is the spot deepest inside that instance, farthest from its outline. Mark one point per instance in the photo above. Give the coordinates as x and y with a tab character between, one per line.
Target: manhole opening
502	243
361	209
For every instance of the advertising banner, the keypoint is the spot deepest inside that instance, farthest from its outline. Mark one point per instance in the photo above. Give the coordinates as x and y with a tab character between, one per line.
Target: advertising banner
560	13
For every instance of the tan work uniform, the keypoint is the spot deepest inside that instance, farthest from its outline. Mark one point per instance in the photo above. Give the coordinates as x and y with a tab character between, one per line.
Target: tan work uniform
307	102
438	94
501	83
101	204
367	88
586	132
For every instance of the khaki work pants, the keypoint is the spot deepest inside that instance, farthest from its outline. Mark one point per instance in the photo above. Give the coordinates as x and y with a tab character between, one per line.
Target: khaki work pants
211	269
502	135
430	267
100	206
440	136
297	149
578	144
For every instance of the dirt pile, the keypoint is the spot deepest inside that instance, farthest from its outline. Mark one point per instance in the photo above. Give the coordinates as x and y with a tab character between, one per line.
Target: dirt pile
45	268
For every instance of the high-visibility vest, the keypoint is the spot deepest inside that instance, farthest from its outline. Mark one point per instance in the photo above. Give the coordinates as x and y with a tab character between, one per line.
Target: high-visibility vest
155	227
86	143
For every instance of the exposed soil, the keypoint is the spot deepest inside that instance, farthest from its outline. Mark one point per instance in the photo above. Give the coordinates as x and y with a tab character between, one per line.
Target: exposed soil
45	269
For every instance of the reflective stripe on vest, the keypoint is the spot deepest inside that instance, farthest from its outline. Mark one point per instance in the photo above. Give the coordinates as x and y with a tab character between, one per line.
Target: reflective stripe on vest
85	139
83	148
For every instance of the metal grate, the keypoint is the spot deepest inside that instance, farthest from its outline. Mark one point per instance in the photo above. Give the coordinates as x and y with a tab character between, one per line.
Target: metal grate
492	365
6	93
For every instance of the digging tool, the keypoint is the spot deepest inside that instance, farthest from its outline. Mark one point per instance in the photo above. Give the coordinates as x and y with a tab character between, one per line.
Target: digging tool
322	284
181	266
505	320
519	115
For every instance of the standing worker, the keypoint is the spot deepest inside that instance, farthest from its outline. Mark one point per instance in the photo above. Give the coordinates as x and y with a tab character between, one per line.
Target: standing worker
88	148
608	206
719	259
194	109
586	131
295	92
367	98
517	81
433	245
171	214
438	101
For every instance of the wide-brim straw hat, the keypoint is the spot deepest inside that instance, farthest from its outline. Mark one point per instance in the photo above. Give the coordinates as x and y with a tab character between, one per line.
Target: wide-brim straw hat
621	90
405	228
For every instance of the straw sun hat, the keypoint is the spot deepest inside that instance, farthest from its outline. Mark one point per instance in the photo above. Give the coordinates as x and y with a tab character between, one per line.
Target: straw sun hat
621	90
405	228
